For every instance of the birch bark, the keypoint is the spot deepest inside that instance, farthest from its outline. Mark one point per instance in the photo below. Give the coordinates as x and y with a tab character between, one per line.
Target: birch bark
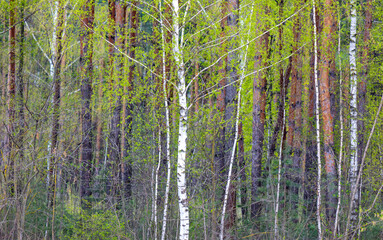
182	129
317	124
354	118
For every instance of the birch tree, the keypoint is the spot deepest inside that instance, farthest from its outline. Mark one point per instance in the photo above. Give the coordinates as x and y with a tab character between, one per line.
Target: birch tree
178	38
354	118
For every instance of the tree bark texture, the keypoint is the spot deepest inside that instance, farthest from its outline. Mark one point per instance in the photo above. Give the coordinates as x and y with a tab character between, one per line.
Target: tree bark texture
86	46
328	43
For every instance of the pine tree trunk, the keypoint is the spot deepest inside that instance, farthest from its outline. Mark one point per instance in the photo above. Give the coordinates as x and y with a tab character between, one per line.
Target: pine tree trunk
296	105
326	59
86	54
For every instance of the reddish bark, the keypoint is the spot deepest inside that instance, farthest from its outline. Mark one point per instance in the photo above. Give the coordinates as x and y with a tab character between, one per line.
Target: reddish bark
296	105
326	59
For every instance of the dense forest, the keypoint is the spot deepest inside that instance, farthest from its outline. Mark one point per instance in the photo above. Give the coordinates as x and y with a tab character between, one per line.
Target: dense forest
191	119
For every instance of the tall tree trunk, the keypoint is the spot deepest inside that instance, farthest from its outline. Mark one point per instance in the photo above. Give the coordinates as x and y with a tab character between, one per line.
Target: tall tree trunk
10	140
317	116
327	57
341	136
354	166
183	127
86	54
221	103
259	115
296	105
167	125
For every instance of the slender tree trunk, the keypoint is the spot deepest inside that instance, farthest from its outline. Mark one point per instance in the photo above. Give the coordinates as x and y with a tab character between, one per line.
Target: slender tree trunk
10	145
258	124
317	94
354	166
167	123
280	159
86	54
183	127
341	138
327	57
296	105
221	103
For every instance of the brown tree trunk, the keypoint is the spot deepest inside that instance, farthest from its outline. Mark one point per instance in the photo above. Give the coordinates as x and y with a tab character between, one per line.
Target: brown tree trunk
326	59
296	105
86	46
221	104
258	124
10	140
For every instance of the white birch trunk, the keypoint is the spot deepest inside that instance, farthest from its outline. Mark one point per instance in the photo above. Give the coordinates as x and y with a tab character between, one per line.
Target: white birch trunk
354	120
317	124
156	185
279	171
341	138
167	123
182	130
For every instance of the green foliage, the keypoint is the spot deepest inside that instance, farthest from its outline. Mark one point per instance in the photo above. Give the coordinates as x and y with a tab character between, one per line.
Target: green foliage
94	225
